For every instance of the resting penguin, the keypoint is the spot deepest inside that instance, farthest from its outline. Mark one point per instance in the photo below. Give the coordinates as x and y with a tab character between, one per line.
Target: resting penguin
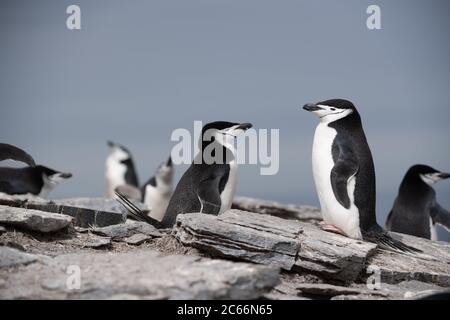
38	180
120	170
416	211
156	192
209	184
344	174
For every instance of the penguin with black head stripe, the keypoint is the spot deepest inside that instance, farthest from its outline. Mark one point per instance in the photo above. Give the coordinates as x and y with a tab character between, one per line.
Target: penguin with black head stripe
344	174
416	210
209	184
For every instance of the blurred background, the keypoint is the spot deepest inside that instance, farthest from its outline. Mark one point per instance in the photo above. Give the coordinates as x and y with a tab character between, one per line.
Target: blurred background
137	70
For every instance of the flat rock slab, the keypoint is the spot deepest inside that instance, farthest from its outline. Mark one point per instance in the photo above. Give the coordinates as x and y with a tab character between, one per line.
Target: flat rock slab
285	211
83	217
120	231
10	257
331	255
98	204
242	235
34	220
269	240
139	274
137	239
433	266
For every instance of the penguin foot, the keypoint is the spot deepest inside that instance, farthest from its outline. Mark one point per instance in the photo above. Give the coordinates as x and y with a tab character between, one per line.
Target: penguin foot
331	228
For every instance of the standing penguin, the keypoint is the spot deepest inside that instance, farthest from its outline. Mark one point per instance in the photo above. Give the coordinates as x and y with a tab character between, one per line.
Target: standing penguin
10	152
416	211
344	174
38	180
156	192
120	170
208	186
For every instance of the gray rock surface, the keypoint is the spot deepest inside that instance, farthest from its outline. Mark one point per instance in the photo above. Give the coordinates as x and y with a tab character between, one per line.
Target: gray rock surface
242	235
331	255
34	220
137	239
432	267
303	247
83	217
99	204
120	231
10	257
271	240
285	211
141	274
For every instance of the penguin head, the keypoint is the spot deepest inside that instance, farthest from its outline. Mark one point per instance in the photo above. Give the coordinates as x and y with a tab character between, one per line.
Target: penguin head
51	178
427	174
331	110
223	132
165	171
118	152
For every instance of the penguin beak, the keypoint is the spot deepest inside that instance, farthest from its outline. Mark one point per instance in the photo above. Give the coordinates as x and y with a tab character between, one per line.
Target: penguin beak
244	126
311	107
169	162
444	175
110	144
65	175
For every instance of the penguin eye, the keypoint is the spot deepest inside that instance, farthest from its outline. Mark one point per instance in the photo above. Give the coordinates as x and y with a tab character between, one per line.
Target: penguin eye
332	109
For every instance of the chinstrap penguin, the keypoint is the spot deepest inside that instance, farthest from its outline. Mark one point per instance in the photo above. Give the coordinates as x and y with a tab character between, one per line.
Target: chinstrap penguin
208	186
120	170
416	210
344	174
156	192
38	180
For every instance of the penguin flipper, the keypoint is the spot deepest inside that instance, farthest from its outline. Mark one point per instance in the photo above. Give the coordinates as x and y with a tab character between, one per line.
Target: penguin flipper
345	167
440	216
208	194
8	151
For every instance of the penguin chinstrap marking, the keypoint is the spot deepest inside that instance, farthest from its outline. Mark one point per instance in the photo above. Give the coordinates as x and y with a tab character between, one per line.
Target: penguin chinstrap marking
38	180
10	152
416	210
120	169
344	174
209	184
156	192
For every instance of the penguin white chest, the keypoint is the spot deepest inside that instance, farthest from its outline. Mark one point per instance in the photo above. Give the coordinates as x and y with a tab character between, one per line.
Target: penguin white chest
156	201
332	211
115	175
226	197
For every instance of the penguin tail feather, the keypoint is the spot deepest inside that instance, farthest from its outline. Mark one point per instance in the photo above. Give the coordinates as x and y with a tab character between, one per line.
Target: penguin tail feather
134	212
385	241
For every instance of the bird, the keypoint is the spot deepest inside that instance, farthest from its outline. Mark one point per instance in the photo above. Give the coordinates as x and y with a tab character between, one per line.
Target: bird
156	192
38	180
416	211
120	170
209	184
344	175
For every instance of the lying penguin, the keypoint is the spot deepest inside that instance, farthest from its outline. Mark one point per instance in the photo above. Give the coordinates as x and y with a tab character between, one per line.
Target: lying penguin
344	174
35	179
416	211
208	186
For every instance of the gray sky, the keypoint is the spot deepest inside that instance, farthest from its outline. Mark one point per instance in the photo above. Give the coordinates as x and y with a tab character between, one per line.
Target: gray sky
137	70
